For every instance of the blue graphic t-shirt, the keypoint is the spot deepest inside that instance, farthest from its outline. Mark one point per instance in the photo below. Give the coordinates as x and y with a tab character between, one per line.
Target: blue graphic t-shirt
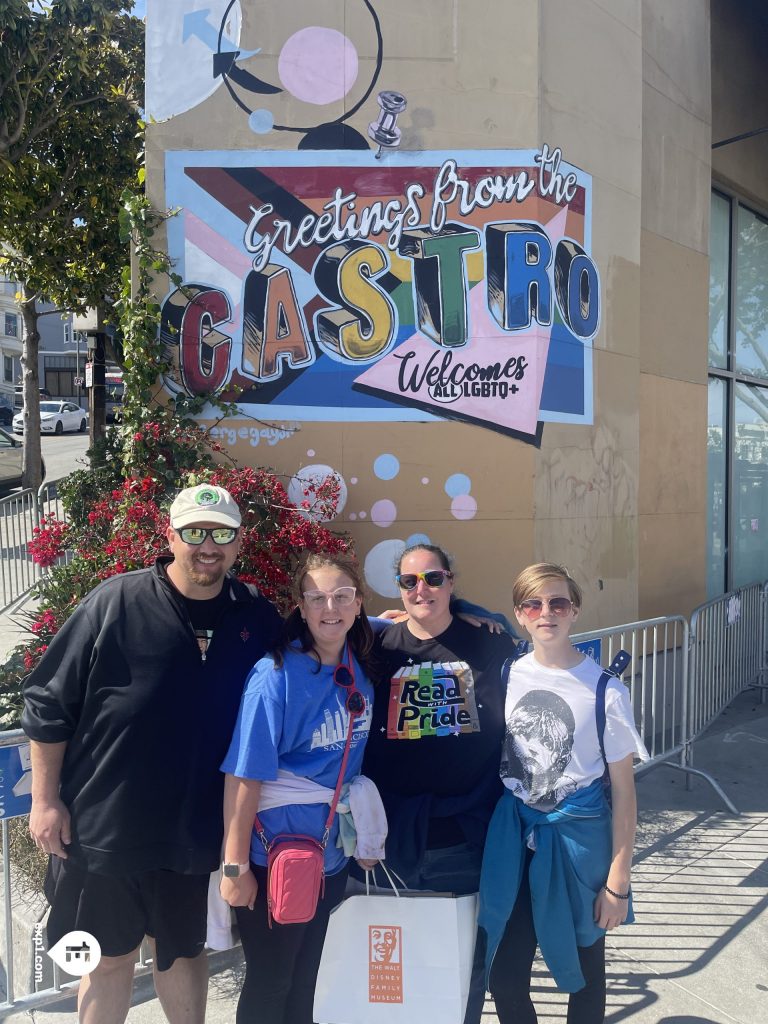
293	718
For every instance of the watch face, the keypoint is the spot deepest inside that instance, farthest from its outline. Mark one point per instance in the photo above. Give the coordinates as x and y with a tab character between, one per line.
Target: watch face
231	870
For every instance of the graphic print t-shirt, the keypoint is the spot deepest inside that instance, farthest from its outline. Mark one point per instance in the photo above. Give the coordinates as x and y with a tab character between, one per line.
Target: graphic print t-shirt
438	722
204	615
551	746
294	718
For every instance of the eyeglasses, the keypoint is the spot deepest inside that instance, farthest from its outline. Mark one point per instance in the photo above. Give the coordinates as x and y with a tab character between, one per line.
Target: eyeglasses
342	596
558	606
196	535
434	578
344	676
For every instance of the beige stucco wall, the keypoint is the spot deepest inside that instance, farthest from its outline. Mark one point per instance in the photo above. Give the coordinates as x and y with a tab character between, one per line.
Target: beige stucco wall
623	87
674	305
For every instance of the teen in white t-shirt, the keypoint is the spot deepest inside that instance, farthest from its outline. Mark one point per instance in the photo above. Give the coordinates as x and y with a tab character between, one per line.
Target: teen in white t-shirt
551	764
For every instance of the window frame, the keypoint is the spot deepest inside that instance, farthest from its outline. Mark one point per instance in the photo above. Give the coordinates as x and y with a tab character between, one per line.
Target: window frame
729	375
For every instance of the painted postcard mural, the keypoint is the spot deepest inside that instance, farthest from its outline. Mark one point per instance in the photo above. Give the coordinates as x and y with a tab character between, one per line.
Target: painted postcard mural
335	286
403	317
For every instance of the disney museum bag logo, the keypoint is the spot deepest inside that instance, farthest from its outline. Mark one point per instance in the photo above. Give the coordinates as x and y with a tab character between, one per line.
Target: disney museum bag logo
397	959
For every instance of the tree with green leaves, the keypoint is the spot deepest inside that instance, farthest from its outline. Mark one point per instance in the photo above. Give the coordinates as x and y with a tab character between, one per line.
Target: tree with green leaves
70	141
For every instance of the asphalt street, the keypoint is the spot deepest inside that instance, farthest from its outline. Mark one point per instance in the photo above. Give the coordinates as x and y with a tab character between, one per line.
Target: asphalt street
63	454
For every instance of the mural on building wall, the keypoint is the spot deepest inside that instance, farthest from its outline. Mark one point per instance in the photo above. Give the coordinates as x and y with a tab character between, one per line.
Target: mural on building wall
350	281
333	286
196	49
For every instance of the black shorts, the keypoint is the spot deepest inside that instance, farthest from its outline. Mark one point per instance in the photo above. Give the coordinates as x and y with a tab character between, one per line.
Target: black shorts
119	911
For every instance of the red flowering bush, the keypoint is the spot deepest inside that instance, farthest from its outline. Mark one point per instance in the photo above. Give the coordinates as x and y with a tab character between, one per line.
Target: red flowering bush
117	517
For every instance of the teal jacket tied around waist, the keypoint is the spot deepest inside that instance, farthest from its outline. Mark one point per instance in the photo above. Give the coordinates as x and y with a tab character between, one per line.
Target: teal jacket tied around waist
570	864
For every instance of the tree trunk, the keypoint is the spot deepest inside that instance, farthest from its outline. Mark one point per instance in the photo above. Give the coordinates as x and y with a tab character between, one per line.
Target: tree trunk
33	476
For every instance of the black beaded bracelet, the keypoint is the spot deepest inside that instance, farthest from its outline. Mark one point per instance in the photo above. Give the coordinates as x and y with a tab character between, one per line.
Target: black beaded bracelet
616	894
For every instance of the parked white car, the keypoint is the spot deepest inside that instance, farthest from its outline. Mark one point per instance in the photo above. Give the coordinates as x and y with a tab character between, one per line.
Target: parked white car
55	418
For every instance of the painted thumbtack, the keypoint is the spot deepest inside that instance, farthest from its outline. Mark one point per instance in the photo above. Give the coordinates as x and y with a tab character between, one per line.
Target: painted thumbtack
385	130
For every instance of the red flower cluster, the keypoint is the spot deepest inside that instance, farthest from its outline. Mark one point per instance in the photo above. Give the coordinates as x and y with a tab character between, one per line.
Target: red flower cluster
48	542
32	655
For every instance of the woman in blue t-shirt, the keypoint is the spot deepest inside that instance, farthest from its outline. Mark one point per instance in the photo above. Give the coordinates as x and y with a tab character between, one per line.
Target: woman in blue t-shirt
283	762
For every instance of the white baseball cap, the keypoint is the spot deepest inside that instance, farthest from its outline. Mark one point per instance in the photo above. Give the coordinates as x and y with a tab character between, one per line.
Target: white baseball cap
205	503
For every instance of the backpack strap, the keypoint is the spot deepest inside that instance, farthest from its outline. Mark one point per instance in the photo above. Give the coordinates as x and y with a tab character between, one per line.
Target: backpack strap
614	671
521	648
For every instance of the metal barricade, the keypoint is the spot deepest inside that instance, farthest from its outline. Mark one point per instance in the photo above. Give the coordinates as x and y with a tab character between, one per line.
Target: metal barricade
658	678
20	513
12	955
18	573
728	652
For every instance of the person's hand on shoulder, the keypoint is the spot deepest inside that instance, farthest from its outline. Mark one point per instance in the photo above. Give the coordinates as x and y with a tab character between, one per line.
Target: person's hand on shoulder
393	615
480	620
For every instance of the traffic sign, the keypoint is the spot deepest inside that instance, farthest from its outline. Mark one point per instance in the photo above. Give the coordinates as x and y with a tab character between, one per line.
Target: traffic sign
15	781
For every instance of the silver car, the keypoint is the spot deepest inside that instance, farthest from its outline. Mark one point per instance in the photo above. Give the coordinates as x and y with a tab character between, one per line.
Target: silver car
10	462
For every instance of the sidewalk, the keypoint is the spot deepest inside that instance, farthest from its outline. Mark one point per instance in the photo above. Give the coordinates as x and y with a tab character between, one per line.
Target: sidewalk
698	953
12	631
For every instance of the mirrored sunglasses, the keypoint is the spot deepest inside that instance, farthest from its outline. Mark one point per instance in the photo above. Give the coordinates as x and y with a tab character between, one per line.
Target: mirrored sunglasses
558	606
196	534
342	596
433	578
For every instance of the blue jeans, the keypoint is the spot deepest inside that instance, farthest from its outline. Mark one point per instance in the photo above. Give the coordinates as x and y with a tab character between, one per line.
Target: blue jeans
457	869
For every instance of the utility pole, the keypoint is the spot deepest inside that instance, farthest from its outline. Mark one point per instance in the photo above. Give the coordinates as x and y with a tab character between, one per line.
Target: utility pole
91	324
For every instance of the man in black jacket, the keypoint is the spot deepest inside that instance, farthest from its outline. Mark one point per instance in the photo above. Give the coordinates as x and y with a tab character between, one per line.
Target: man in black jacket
129	714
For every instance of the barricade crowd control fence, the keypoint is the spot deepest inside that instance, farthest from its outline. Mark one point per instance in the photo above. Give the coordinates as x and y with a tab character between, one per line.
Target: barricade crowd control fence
681	675
20	513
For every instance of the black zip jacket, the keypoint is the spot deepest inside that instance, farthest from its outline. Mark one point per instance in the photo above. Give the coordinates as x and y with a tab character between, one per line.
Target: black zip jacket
146	720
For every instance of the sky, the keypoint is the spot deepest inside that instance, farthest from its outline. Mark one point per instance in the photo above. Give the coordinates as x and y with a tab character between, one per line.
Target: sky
139	8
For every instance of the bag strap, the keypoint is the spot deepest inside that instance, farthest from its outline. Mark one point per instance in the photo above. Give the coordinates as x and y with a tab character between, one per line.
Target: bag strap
339	782
614	671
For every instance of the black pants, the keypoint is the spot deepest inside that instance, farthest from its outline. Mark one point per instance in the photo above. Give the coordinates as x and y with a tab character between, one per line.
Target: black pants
281	962
510	981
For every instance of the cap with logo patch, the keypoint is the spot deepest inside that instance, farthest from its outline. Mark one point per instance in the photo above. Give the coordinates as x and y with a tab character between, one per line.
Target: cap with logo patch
205	503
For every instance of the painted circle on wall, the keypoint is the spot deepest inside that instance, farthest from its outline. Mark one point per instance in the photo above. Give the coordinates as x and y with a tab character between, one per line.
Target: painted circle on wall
417	538
379	567
386	466
463	506
458	484
384	512
318	65
314	475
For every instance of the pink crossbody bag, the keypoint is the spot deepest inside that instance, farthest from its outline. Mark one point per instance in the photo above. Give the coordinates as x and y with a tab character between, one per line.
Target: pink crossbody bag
296	863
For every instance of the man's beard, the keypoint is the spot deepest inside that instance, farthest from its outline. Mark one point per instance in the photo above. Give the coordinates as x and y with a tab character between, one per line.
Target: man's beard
206	579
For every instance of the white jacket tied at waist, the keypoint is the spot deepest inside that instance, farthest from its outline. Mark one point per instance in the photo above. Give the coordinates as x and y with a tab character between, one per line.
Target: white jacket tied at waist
362	833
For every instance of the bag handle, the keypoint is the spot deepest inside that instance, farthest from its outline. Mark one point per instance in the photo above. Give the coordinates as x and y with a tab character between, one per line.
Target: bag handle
339	782
389	872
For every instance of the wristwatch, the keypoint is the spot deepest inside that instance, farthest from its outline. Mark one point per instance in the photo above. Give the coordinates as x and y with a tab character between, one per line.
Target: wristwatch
234	870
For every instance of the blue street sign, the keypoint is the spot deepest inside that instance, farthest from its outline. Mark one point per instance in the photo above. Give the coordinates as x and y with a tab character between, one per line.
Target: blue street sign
592	648
15	781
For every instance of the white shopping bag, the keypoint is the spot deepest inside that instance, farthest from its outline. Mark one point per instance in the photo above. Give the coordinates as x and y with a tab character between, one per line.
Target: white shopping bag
403	959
